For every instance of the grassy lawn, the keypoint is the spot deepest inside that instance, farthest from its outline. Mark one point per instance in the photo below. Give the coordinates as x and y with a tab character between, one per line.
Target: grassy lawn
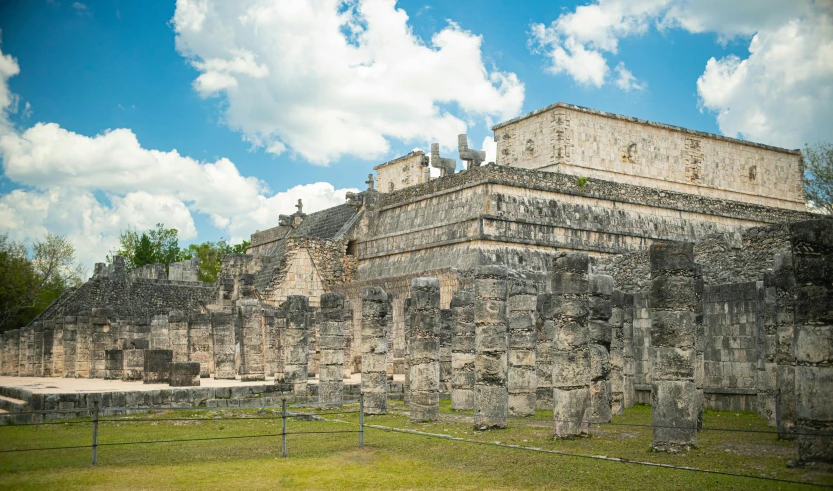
388	460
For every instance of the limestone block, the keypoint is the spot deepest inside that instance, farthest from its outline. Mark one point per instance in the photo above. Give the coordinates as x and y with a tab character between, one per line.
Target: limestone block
134	364
157	368
114	364
424	349
185	374
570	407
674	413
375	320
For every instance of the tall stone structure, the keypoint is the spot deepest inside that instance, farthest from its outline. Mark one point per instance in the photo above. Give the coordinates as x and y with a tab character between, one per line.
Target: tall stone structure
545	330
331	374
813	266
444	335
424	341
251	340
200	342
601	290
522	380
781	283
222	325
617	353
375	320
83	347
179	333
675	400
70	341
295	348
462	351
491	395
569	308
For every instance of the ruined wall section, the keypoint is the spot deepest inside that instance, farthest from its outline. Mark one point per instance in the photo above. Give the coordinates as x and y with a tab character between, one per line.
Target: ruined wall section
134	298
584	142
309	267
402	172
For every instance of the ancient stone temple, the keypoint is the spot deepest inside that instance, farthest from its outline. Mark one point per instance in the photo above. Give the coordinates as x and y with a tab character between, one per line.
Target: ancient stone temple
554	237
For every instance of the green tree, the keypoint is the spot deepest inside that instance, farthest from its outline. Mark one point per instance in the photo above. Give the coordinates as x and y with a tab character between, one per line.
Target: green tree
818	176
157	245
30	284
145	252
211	255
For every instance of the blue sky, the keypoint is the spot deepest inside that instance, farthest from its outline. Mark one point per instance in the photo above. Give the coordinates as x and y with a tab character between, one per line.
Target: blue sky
254	99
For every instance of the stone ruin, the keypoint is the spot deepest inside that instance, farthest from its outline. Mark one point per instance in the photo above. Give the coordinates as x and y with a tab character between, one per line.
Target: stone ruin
602	261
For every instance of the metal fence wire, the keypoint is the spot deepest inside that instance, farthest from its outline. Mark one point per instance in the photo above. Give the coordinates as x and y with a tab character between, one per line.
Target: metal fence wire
285	416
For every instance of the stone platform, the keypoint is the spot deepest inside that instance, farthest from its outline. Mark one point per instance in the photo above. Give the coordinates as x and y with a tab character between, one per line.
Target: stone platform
61	398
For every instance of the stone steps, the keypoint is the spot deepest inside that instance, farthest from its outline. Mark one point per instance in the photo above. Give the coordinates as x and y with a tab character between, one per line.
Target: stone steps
11	405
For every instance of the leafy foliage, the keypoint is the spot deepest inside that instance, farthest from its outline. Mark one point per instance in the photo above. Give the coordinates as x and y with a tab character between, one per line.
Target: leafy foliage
210	255
30	284
157	245
818	176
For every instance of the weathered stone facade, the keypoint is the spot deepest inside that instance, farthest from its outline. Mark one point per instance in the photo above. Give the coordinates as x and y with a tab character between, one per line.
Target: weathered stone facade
569	212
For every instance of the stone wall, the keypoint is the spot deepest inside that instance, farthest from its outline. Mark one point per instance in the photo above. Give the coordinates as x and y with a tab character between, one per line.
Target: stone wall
402	172
584	142
731	315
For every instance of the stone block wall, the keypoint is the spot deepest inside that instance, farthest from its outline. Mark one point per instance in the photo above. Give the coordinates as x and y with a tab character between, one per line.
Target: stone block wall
584	142
402	172
731	317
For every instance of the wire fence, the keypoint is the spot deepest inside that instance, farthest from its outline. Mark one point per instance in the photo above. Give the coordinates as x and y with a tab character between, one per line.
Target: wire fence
282	414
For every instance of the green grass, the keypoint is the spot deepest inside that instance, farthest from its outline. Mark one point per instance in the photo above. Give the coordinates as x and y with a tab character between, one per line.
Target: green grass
388	460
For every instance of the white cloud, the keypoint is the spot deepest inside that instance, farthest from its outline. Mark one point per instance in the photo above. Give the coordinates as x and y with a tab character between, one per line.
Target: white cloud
62	173
625	79
780	94
490	146
329	79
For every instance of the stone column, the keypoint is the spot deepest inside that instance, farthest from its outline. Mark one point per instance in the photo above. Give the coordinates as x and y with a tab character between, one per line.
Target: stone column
27	342
570	355
376	316
222	327
641	344
102	340
601	289
185	374
70	345
314	356
617	353
251	341
462	351
200	348
296	351
545	330
58	348
331	374
178	334
628	394
767	347
160	337
36	361
491	396
11	352
812	244
782	281
406	322
522	380
134	360
444	337
113	364
83	347
271	342
157	366
48	344
675	400
425	349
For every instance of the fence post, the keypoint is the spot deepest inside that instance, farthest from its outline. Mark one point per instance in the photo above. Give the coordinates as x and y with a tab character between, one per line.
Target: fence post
283	427
361	420
95	432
